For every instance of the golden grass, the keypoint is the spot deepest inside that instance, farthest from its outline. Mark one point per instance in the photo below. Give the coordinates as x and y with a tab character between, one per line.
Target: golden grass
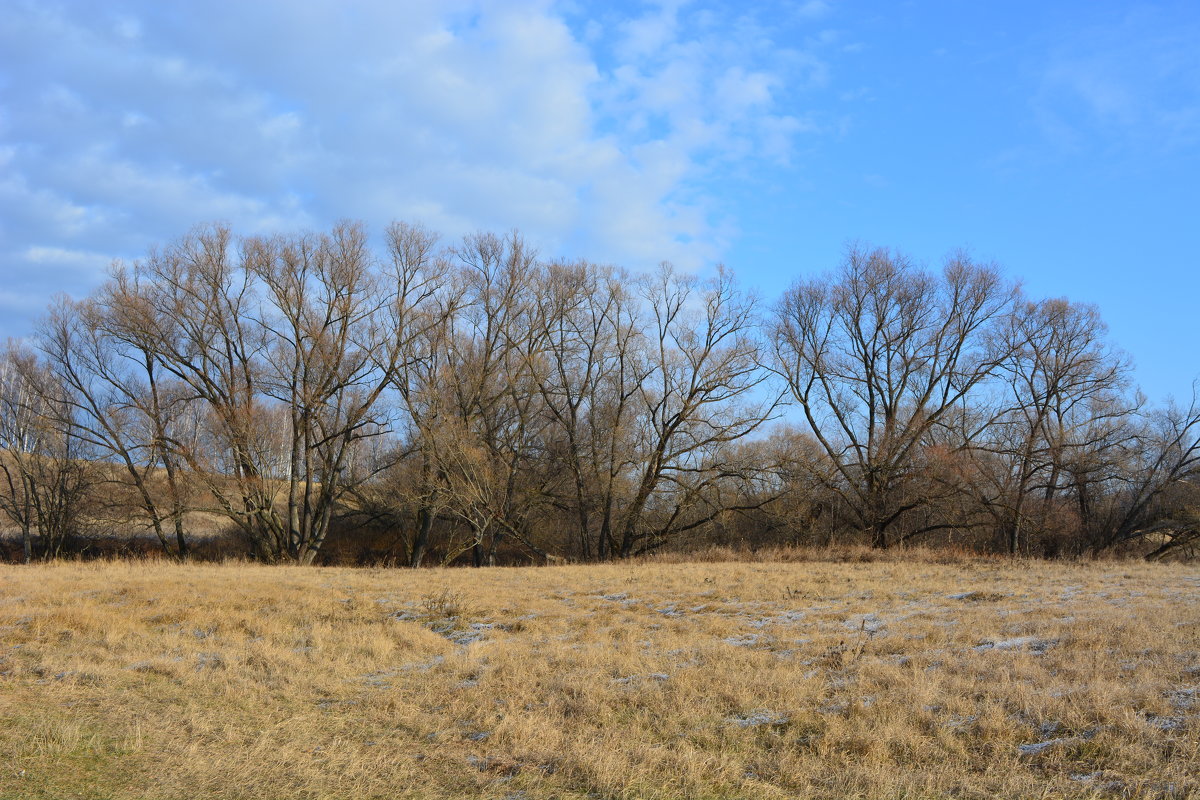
702	680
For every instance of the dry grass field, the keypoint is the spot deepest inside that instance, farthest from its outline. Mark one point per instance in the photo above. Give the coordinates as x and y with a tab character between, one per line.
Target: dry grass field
656	680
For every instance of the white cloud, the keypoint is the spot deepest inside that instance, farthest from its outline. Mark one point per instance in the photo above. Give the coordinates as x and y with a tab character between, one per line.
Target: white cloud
135	120
1129	84
75	259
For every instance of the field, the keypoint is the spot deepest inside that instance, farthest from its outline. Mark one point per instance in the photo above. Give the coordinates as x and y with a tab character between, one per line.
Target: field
980	679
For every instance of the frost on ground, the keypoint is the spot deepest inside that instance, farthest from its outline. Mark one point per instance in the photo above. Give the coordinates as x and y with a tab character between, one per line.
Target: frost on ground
744	640
463	636
1184	698
1037	747
1031	644
631	679
757	718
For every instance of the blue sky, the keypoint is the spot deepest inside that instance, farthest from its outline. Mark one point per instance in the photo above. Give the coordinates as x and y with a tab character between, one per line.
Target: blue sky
1061	140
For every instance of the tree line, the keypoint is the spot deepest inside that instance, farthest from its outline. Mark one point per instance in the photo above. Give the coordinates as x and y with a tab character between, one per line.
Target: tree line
307	398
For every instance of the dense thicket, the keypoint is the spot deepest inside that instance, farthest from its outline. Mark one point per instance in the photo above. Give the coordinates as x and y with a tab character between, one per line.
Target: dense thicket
303	398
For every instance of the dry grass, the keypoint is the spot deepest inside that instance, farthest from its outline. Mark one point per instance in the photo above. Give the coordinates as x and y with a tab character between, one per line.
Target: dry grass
703	680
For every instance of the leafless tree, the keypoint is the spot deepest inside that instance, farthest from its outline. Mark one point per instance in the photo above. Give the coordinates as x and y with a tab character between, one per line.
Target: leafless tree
425	304
289	344
1062	391
589	377
330	351
490	344
1140	482
877	356
116	401
474	401
193	306
47	470
700	362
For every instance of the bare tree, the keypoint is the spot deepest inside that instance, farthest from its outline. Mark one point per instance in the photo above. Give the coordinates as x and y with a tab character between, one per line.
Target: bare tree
289	344
879	355
425	304
116	401
1062	390
472	400
490	343
193	306
1161	501
589	377
47	470
330	352
21	436
1138	480
700	362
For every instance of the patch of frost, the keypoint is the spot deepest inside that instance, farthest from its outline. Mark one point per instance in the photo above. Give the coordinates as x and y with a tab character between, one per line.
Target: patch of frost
1037	747
1034	644
758	718
745	640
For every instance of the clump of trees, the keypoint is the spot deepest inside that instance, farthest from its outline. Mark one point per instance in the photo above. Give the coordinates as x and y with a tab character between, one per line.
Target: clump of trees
307	398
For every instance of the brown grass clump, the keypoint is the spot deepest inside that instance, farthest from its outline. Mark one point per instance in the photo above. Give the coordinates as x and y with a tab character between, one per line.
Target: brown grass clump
682	680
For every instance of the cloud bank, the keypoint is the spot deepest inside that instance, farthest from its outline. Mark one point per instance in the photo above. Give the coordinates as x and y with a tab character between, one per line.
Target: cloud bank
594	131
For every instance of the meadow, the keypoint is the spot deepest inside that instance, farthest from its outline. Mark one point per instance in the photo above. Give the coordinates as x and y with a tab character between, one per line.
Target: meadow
810	679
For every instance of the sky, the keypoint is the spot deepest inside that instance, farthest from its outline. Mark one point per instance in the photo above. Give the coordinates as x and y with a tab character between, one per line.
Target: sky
1059	140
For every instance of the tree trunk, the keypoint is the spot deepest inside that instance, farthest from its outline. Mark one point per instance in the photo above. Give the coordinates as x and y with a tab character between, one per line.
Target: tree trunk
421	544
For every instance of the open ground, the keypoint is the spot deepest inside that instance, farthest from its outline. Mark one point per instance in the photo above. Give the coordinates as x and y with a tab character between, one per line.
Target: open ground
985	678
